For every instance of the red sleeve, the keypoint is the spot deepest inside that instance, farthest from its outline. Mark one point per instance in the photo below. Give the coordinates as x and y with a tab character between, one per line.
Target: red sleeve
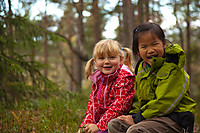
122	103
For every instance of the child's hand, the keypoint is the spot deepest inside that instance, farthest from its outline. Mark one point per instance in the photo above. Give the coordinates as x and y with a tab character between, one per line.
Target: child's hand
82	129
79	131
127	118
91	128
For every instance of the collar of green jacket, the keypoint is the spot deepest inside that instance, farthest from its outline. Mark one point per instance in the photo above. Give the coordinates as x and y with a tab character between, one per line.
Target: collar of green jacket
173	54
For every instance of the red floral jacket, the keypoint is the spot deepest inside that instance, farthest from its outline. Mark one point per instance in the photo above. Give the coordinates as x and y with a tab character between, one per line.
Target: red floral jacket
111	96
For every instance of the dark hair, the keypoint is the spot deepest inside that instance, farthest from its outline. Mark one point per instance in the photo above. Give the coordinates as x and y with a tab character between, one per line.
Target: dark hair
155	29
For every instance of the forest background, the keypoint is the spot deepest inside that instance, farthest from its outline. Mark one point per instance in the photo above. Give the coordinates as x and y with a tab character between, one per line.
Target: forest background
42	83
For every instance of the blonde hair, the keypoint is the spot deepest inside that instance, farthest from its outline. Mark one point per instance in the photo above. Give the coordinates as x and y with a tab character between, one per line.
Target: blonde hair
109	47
128	58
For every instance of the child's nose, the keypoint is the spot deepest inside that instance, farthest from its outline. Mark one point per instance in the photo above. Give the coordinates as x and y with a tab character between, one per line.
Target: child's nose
151	50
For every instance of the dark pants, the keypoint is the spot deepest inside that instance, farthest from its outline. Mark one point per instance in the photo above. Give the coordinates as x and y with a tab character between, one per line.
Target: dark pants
154	125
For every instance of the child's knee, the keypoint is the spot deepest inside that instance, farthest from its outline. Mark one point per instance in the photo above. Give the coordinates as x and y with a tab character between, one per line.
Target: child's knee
112	122
114	125
117	126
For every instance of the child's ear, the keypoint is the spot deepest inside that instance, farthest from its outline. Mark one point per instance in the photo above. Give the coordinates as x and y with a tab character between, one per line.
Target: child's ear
138	53
165	44
121	59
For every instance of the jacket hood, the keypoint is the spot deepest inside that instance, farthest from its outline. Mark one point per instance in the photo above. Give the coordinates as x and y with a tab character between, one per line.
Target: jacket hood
173	54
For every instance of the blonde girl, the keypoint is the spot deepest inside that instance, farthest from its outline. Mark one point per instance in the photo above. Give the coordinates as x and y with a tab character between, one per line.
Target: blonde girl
109	47
112	87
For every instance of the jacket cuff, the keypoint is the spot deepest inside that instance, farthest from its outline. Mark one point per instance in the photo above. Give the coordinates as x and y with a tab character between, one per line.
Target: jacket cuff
101	128
138	117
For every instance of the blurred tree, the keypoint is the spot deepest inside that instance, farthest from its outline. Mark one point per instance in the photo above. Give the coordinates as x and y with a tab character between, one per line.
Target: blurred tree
176	6
118	12
141	7
80	42
127	22
132	13
186	13
45	40
82	25
155	12
188	53
73	27
96	16
66	28
20	76
146	12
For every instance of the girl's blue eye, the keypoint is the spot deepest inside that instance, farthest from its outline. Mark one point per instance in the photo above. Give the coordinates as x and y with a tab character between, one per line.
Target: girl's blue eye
101	58
112	57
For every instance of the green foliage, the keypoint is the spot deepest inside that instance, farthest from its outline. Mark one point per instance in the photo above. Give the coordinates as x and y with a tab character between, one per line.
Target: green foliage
61	112
21	77
197	120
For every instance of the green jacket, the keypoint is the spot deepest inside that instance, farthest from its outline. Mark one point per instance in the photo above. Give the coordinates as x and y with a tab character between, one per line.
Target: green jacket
165	88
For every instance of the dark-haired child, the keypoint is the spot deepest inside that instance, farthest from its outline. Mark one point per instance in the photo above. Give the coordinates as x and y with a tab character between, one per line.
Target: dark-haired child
162	87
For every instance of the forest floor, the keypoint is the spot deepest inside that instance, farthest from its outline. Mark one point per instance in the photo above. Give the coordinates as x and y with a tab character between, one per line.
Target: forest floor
59	114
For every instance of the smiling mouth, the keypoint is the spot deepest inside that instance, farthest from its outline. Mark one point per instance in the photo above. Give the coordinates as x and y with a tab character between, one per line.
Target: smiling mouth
107	67
150	57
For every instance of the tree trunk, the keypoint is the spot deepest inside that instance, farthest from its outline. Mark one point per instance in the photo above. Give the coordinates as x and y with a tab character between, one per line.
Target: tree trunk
178	25
152	11
80	45
45	55
119	31
10	16
71	69
97	21
128	22
146	19
188	53
45	43
68	30
140	11
131	23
